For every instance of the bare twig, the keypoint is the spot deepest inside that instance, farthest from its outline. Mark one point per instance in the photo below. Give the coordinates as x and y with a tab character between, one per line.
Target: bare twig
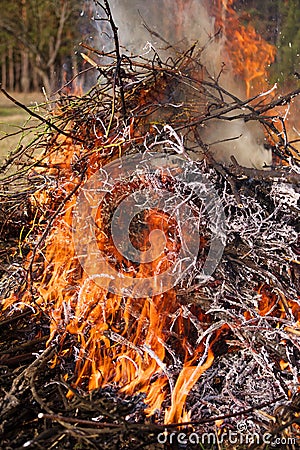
38	116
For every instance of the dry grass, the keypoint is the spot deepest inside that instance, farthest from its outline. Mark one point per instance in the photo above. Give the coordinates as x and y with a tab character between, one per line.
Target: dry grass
14	119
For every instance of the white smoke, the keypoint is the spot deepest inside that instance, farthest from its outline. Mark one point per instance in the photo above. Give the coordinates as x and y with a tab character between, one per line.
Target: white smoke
182	23
174	20
243	140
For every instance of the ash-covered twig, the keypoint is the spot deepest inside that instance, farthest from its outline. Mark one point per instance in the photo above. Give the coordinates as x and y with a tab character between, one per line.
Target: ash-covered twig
283	175
245	317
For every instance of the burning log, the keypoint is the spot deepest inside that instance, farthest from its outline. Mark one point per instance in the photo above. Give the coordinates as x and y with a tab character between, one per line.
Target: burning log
191	316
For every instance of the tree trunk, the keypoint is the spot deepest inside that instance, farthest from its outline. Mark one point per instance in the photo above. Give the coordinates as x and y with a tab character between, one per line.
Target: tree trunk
35	79
17	64
51	65
55	43
11	71
25	80
45	80
3	71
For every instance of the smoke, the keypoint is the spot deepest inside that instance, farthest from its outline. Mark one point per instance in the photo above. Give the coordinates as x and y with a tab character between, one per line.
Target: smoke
243	140
182	23
179	22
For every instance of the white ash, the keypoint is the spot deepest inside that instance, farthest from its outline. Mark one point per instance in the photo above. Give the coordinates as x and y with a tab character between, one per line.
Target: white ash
285	195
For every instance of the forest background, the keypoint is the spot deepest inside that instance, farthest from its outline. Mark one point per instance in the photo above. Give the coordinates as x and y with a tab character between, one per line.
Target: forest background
39	40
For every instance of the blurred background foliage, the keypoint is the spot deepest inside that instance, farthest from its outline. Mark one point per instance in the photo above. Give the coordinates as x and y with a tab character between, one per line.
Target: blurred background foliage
278	22
39	39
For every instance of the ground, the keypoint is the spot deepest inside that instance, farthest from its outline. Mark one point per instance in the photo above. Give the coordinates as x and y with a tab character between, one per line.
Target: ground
13	117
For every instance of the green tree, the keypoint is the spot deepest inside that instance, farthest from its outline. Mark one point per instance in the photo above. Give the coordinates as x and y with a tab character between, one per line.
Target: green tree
277	21
35	33
288	59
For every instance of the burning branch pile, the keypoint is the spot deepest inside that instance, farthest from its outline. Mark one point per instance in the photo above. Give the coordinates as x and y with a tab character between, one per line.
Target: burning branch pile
171	326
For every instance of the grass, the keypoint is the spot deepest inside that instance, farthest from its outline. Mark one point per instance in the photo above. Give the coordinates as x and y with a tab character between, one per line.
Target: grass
6	111
14	120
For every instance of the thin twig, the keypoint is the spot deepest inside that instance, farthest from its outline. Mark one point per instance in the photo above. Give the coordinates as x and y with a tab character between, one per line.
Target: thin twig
38	116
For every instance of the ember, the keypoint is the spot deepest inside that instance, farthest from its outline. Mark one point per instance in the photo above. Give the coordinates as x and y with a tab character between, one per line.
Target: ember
165	282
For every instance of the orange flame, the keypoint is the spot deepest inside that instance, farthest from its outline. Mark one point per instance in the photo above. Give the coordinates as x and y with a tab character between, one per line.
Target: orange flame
185	382
117	340
114	340
247	52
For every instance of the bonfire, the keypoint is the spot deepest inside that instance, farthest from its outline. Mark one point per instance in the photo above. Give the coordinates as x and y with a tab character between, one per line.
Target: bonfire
150	282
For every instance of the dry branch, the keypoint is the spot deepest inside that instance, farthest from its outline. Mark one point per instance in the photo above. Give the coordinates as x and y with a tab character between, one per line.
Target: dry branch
245	316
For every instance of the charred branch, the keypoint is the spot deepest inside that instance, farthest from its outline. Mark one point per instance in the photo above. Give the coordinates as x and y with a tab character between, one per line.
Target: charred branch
225	345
